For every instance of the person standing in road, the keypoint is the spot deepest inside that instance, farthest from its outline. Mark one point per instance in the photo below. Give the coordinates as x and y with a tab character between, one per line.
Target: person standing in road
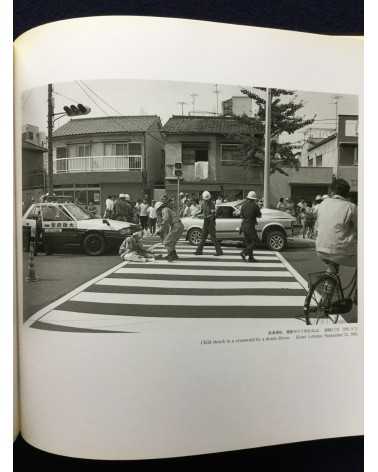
152	217
123	209
109	207
170	230
143	215
249	213
209	225
186	210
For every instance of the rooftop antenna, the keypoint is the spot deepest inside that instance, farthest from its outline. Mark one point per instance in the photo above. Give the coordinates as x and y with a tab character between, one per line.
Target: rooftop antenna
182	106
194	96
217	92
336	103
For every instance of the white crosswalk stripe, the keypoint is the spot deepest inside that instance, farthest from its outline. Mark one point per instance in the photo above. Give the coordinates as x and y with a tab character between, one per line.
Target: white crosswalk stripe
136	296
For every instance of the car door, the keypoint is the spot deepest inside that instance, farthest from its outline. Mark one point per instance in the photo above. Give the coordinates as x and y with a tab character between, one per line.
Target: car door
58	226
228	222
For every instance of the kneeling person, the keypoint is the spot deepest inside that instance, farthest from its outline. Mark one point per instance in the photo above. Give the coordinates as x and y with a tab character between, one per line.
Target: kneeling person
132	249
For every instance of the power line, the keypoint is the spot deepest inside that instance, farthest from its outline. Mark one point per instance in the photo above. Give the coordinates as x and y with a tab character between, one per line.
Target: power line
65	96
92	99
102	99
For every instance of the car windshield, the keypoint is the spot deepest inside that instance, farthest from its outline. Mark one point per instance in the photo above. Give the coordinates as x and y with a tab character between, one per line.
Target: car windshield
77	212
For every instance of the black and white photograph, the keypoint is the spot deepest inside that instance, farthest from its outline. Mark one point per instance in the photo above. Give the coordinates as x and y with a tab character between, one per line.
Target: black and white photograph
157	205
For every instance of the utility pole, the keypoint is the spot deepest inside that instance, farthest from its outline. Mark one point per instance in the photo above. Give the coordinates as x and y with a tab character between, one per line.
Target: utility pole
267	147
50	114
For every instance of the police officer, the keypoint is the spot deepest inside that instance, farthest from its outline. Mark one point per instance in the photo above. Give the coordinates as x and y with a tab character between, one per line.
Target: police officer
170	230
249	212
208	212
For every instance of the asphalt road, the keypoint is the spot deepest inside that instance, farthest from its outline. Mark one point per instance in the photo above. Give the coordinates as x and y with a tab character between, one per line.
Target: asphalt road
59	274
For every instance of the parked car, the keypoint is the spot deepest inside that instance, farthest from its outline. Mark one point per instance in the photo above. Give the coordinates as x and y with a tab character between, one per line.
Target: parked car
65	225
272	228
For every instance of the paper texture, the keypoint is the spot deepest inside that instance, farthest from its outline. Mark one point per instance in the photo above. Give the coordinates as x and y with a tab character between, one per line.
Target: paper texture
163	393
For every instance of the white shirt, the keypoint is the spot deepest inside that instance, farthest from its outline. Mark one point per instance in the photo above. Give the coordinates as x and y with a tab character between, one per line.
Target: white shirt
152	213
143	209
109	204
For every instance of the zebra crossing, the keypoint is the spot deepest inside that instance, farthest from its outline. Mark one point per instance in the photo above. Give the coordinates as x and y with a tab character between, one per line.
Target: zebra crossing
133	297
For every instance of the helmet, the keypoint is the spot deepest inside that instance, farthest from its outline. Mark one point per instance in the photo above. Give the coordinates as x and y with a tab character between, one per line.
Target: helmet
206	195
158	205
252	195
126	196
325	196
121	195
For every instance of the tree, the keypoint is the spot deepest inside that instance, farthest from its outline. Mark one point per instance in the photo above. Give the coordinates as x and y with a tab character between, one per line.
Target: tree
284	119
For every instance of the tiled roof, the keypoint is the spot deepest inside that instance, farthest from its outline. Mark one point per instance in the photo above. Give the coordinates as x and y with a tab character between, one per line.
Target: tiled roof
323	141
107	124
204	125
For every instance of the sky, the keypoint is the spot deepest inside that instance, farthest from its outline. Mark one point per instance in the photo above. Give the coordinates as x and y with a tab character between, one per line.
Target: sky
142	97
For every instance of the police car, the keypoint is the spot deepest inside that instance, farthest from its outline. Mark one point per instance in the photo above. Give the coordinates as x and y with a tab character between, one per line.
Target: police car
63	225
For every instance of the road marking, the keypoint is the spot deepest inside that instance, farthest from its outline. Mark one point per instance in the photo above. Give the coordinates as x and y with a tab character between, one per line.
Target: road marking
214	273
199	284
40	313
216	263
192	300
224	257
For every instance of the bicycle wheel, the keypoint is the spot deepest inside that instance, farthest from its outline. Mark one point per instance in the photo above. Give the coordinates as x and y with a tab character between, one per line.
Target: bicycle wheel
322	297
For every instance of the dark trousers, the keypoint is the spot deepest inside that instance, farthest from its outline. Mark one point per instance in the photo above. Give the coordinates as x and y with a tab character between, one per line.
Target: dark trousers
209	230
152	224
143	221
250	239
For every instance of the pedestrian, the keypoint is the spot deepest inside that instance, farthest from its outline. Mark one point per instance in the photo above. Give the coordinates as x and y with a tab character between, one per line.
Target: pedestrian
249	213
195	208
123	209
209	225
109	207
152	217
143	214
170	230
308	221
290	206
281	204
219	200
132	249
186	211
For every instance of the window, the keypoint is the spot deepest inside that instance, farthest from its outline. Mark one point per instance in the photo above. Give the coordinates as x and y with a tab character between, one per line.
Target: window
33	213
123	149
310	161
194	152
83	150
348	155
61	152
351	128
231	153
224	212
319	160
53	213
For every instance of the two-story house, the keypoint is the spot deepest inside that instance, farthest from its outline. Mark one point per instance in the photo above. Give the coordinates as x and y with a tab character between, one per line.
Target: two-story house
211	156
97	157
338	151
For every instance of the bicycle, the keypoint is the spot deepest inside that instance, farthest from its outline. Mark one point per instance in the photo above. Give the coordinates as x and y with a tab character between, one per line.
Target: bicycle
326	297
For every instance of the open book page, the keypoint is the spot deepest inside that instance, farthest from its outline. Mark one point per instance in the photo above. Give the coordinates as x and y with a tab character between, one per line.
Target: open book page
197	334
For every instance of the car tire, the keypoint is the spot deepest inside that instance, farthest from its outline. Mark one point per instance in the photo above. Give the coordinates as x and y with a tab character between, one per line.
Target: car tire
275	240
194	236
94	244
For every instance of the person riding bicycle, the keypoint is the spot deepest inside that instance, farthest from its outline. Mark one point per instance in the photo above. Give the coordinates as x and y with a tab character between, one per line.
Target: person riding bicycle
336	242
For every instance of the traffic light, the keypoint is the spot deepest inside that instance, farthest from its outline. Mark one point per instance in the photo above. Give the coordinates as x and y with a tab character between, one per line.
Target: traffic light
78	110
178	169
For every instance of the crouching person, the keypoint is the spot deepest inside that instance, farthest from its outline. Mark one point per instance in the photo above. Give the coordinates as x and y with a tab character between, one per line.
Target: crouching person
170	229
132	249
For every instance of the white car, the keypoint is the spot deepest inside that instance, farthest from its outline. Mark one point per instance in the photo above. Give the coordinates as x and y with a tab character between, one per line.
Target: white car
69	225
272	228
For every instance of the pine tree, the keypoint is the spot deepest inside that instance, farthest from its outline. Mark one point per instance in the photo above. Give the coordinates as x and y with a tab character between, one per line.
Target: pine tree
285	117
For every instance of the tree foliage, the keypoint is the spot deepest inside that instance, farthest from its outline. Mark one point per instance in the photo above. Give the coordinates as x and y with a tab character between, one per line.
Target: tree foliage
285	118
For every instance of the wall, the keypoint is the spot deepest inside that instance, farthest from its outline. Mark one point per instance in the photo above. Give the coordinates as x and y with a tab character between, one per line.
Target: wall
154	155
329	152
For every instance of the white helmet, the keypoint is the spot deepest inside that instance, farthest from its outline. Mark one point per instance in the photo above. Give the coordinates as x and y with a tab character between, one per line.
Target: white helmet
206	195
126	196
325	196
252	195
158	205
121	195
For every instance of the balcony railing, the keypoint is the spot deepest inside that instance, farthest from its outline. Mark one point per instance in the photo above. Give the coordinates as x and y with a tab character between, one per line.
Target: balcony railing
191	173
98	164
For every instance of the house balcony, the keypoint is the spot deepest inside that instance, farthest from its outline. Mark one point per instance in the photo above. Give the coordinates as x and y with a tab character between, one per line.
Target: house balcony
199	171
98	164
